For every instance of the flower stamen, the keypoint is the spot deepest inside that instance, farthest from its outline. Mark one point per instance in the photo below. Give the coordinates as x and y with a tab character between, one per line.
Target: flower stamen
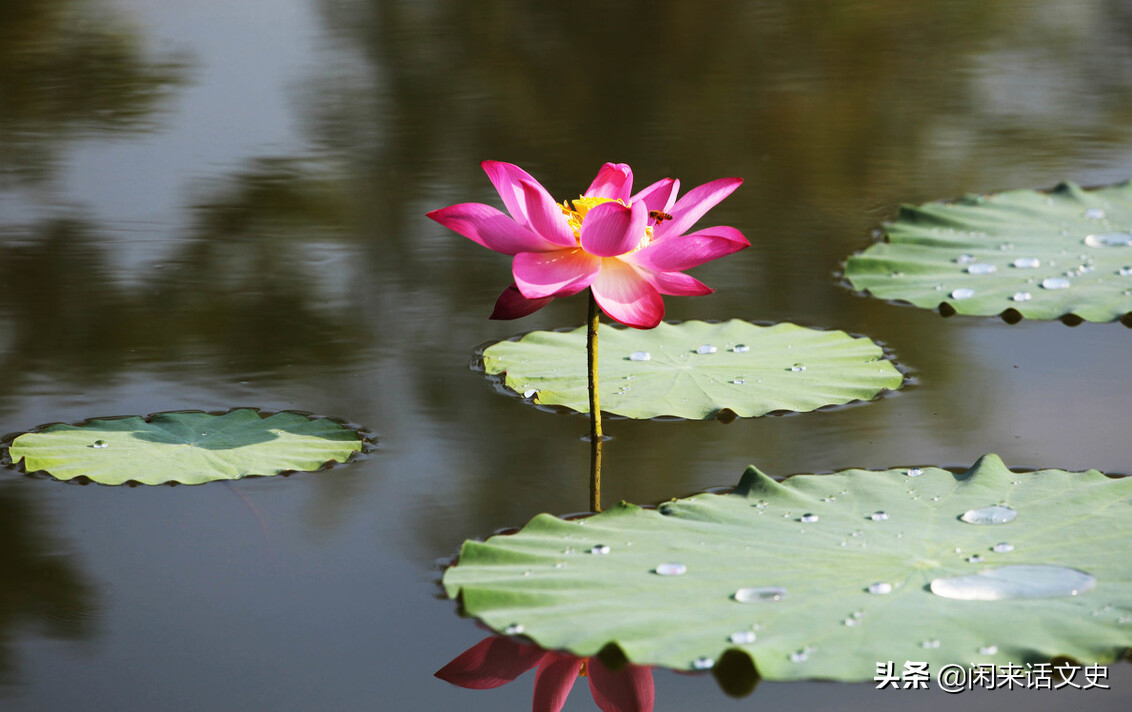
575	211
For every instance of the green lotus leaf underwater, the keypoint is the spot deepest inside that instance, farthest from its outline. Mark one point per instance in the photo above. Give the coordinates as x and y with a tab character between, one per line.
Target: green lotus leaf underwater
1065	254
822	576
185	447
695	369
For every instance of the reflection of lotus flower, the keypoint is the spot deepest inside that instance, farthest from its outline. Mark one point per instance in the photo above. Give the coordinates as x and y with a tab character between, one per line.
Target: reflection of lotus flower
629	249
496	661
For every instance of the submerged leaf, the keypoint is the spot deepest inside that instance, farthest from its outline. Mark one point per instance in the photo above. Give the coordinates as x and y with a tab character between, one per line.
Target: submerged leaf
185	447
822	576
1039	255
696	369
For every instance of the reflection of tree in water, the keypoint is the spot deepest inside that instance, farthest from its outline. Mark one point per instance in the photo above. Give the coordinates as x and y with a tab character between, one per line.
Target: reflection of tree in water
67	70
247	281
42	589
238	297
60	306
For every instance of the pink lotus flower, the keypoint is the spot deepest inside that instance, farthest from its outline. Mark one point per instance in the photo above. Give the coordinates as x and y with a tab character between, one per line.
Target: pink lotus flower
495	661
629	249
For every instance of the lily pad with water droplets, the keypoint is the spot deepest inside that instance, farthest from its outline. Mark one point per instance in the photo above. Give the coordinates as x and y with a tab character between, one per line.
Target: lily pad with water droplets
822	576
1065	254
696	369
185	447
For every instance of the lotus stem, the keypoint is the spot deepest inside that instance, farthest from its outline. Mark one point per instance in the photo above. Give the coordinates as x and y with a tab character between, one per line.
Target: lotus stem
595	406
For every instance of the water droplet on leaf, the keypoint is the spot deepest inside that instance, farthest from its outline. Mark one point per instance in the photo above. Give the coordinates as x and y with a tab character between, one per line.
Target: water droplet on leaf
706	349
881	587
759	594
743	637
1003	582
671	569
1109	239
878	516
1055	283
1002	548
994	514
808	518
600	549
1027	262
640	356
100	444
981	268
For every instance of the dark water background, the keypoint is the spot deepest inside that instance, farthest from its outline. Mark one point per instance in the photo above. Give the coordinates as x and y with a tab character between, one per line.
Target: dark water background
221	203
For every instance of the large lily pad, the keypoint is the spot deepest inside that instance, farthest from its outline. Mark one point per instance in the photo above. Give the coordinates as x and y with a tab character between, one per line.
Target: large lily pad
696	369
824	576
186	447
1023	253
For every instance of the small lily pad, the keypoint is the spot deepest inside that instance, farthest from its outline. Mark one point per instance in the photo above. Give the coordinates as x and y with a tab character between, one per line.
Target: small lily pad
696	369
822	576
1066	254
185	447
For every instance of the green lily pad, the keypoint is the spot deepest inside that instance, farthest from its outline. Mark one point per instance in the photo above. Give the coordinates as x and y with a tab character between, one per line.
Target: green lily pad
1023	253
824	576
185	447
696	369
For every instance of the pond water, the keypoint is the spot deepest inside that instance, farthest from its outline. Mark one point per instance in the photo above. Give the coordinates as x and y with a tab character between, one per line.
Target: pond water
217	204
